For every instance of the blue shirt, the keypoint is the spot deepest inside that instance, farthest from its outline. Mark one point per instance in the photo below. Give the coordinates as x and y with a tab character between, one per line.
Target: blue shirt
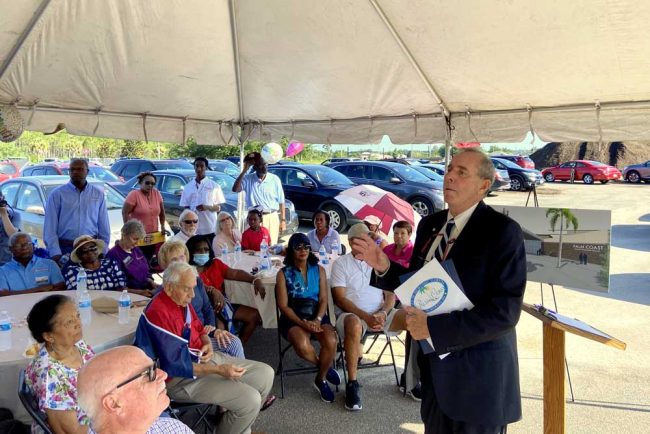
296	285
70	213
266	193
202	305
38	272
5	253
331	236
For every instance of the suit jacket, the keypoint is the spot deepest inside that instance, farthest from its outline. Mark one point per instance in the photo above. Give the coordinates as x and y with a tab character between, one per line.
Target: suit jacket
478	382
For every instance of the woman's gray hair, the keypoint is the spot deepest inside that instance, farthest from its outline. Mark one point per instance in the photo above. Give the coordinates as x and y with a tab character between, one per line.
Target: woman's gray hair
184	214
175	270
220	216
134	227
486	169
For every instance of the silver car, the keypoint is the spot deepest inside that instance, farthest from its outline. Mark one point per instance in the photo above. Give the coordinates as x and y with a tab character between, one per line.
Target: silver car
636	173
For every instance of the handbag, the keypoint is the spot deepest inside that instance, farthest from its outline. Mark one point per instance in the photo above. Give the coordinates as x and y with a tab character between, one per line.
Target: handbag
304	308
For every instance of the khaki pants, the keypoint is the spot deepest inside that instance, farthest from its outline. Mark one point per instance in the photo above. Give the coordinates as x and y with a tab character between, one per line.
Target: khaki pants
272	223
242	398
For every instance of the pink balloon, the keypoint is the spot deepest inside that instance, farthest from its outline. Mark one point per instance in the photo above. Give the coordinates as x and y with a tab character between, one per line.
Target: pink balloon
295	148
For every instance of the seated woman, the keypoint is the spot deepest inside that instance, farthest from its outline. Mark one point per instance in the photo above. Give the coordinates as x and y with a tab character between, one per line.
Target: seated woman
226	234
372	222
213	272
222	340
133	262
402	249
252	237
103	274
301	294
323	234
52	374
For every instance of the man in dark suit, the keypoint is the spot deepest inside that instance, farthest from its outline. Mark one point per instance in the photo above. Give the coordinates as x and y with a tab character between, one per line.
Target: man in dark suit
475	388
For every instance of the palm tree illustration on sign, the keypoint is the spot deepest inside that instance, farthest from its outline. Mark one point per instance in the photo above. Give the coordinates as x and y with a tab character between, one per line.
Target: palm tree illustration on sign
566	218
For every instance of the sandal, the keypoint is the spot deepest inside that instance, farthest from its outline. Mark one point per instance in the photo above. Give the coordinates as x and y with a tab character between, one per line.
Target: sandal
269	402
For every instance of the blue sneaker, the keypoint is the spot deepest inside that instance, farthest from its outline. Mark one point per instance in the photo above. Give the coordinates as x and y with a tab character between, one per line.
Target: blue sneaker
323	388
333	377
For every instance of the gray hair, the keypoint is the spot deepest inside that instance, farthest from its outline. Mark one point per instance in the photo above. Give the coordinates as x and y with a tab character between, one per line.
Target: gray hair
486	169
13	239
134	227
184	214
174	271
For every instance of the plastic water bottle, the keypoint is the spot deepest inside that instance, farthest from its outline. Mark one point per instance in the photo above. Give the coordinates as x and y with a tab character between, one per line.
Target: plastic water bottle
82	282
237	251
5	331
264	248
85	309
124	307
322	255
336	250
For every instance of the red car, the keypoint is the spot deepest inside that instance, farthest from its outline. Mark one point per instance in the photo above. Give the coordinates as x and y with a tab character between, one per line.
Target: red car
8	170
520	160
584	170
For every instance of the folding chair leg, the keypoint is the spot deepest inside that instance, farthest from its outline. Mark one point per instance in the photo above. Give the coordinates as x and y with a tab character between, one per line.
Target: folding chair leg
392	356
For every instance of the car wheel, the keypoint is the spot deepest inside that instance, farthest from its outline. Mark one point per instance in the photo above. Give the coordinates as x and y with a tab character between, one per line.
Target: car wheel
338	221
549	177
588	179
604	181
422	206
633	177
516	183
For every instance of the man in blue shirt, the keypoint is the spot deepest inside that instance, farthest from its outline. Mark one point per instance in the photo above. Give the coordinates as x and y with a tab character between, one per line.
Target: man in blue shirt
27	273
263	190
74	209
10	223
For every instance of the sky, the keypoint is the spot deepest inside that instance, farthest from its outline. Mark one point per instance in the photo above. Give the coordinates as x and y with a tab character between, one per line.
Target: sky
535	220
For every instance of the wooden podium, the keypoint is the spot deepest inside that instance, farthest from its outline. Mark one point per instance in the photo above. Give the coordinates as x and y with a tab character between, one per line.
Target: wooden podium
554	327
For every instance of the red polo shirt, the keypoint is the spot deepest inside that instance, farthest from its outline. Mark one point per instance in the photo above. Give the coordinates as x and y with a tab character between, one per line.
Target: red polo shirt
251	240
215	274
166	314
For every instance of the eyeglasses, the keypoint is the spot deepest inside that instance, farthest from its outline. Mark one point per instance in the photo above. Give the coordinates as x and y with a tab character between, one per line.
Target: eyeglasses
190	222
149	183
302	247
151	373
88	250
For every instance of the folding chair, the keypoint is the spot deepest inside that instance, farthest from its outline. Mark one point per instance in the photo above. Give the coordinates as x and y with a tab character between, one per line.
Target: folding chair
202	411
30	403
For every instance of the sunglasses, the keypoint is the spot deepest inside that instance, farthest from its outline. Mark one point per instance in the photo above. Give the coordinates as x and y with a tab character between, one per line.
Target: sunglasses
88	250
151	372
190	222
149	183
302	247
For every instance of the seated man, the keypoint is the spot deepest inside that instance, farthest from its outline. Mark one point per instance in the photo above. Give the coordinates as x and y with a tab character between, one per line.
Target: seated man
27	273
112	387
364	307
169	330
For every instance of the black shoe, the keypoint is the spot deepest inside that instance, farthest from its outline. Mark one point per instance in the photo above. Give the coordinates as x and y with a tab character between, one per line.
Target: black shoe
415	393
352	397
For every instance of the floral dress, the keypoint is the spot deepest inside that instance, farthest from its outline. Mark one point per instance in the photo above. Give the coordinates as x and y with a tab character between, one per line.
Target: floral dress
108	277
55	385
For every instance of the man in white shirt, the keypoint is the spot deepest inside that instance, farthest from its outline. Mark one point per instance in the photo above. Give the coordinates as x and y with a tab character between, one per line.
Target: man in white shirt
364	307
188	222
203	196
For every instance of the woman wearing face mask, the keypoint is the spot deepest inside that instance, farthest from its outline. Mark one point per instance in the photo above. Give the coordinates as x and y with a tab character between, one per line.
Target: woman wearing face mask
188	222
253	236
226	234
402	249
213	272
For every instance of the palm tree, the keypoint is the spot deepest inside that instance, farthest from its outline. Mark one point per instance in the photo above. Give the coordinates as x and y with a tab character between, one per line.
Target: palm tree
566	218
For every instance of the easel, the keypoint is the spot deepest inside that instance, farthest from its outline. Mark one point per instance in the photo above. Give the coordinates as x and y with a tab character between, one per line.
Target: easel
533	192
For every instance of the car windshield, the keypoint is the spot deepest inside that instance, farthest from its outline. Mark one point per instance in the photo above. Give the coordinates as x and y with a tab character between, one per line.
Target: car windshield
428	173
114	200
327	176
7	169
596	163
224	181
409	173
226	167
97	173
507	163
171	165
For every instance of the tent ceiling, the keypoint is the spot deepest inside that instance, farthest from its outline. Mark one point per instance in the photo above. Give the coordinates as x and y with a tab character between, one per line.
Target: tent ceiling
331	71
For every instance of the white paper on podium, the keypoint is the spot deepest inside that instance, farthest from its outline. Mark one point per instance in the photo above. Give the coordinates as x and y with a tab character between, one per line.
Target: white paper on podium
432	290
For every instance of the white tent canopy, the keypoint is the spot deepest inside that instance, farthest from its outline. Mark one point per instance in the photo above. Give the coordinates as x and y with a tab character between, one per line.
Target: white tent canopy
335	71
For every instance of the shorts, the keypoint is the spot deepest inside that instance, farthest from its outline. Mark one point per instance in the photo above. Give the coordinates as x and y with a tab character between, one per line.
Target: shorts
340	321
285	324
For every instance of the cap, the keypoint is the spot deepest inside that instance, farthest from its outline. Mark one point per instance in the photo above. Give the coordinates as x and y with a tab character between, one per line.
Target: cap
297	239
372	219
357	230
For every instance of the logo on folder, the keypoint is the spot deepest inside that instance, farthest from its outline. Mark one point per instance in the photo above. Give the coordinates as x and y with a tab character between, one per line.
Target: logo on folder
430	294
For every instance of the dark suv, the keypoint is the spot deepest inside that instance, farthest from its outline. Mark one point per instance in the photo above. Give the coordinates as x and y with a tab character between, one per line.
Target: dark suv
130	167
520	160
424	195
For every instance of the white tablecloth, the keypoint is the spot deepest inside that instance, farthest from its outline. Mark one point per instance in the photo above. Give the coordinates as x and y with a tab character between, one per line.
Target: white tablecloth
243	293
103	333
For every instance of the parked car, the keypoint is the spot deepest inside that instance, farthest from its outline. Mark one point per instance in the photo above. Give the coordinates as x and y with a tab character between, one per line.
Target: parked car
28	195
585	170
636	173
522	161
234	159
400	179
339	160
224	166
128	168
435	167
8	170
501	177
95	171
431	174
409	161
171	183
311	187
520	179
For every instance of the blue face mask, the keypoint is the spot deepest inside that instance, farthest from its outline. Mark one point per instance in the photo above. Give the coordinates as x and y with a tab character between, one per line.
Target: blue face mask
201	258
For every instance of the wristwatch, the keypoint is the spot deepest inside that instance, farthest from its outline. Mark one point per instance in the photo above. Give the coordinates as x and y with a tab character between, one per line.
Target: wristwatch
319	318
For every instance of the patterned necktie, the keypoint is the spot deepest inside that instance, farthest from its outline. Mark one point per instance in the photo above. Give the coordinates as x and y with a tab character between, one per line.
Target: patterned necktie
444	241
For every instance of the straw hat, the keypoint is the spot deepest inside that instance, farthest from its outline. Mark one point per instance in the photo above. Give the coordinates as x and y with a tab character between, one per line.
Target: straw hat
372	219
81	241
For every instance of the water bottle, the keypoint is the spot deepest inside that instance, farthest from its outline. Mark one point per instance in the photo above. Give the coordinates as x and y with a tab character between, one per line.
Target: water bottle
335	248
5	331
264	248
85	309
322	255
237	251
124	307
82	282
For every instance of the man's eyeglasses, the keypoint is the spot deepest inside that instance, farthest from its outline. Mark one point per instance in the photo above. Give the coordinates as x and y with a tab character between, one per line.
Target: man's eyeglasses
88	250
149	183
151	372
190	222
302	247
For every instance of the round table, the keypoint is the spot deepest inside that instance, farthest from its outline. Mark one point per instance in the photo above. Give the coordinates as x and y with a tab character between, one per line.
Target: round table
243	293
102	333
